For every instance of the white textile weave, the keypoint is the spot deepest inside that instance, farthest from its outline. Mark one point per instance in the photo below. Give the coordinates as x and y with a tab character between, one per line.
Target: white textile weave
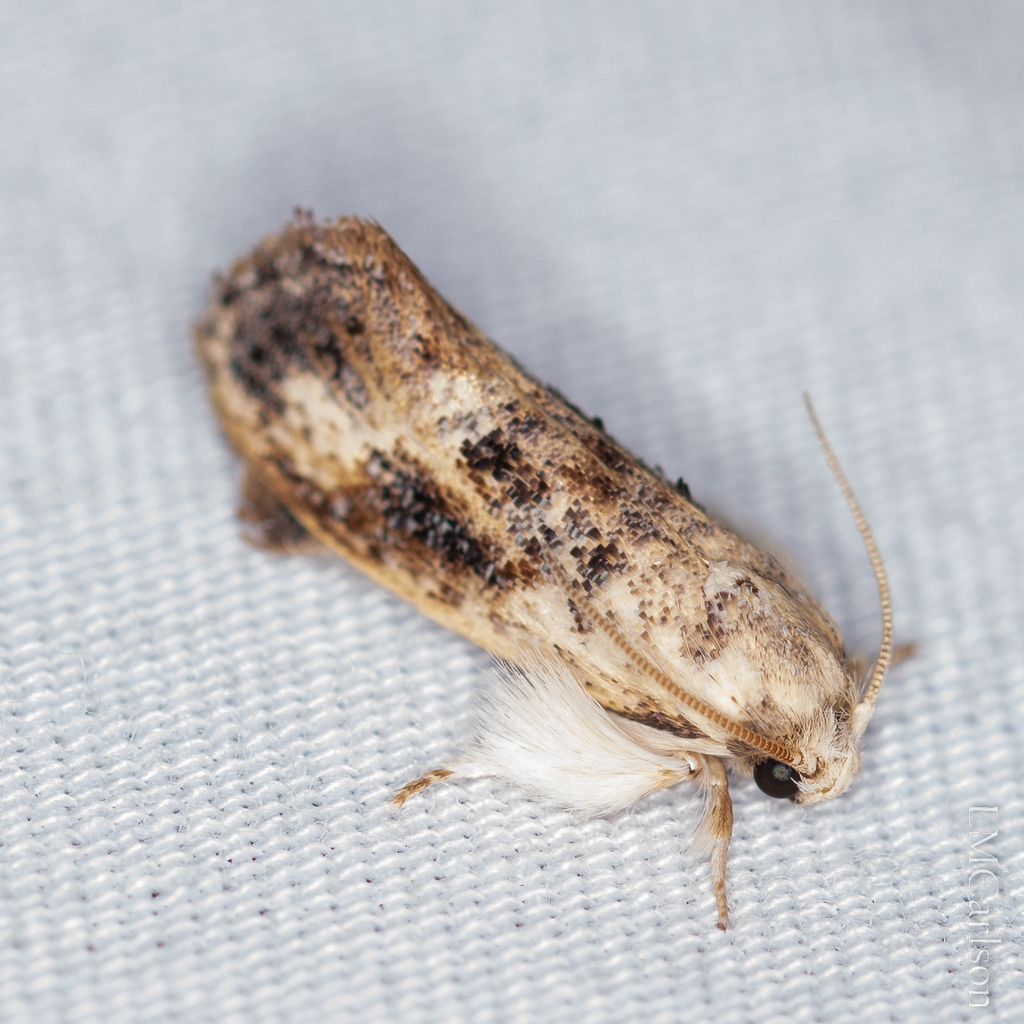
680	214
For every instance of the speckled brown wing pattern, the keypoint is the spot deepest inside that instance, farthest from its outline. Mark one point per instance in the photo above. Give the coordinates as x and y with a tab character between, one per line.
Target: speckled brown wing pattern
397	434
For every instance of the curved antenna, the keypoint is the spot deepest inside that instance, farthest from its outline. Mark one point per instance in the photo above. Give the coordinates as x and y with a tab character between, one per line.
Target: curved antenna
771	748
885	651
777	751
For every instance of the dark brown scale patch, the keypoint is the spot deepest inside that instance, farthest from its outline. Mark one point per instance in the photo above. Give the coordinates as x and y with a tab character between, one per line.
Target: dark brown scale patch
582	626
598	563
521	571
265	346
699	643
576	520
411	506
532	548
524	424
396	507
639	526
647	714
521	493
497	456
491	454
716	619
608	453
330	351
599	486
427	350
294	312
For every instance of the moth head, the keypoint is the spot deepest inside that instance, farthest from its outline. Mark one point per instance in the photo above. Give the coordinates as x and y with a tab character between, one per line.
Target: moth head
832	774
784	782
820	765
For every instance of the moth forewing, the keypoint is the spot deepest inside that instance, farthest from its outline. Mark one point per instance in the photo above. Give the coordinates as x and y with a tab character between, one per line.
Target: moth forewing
377	419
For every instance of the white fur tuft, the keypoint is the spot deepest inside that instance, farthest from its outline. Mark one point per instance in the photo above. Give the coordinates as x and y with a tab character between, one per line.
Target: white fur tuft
538	727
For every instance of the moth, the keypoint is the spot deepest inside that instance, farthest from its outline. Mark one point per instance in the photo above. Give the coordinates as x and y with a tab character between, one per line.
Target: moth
640	642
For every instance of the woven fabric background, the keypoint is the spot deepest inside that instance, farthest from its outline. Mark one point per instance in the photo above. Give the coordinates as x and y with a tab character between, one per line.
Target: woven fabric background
682	214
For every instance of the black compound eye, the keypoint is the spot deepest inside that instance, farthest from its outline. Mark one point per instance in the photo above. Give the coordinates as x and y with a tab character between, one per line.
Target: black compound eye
777	779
